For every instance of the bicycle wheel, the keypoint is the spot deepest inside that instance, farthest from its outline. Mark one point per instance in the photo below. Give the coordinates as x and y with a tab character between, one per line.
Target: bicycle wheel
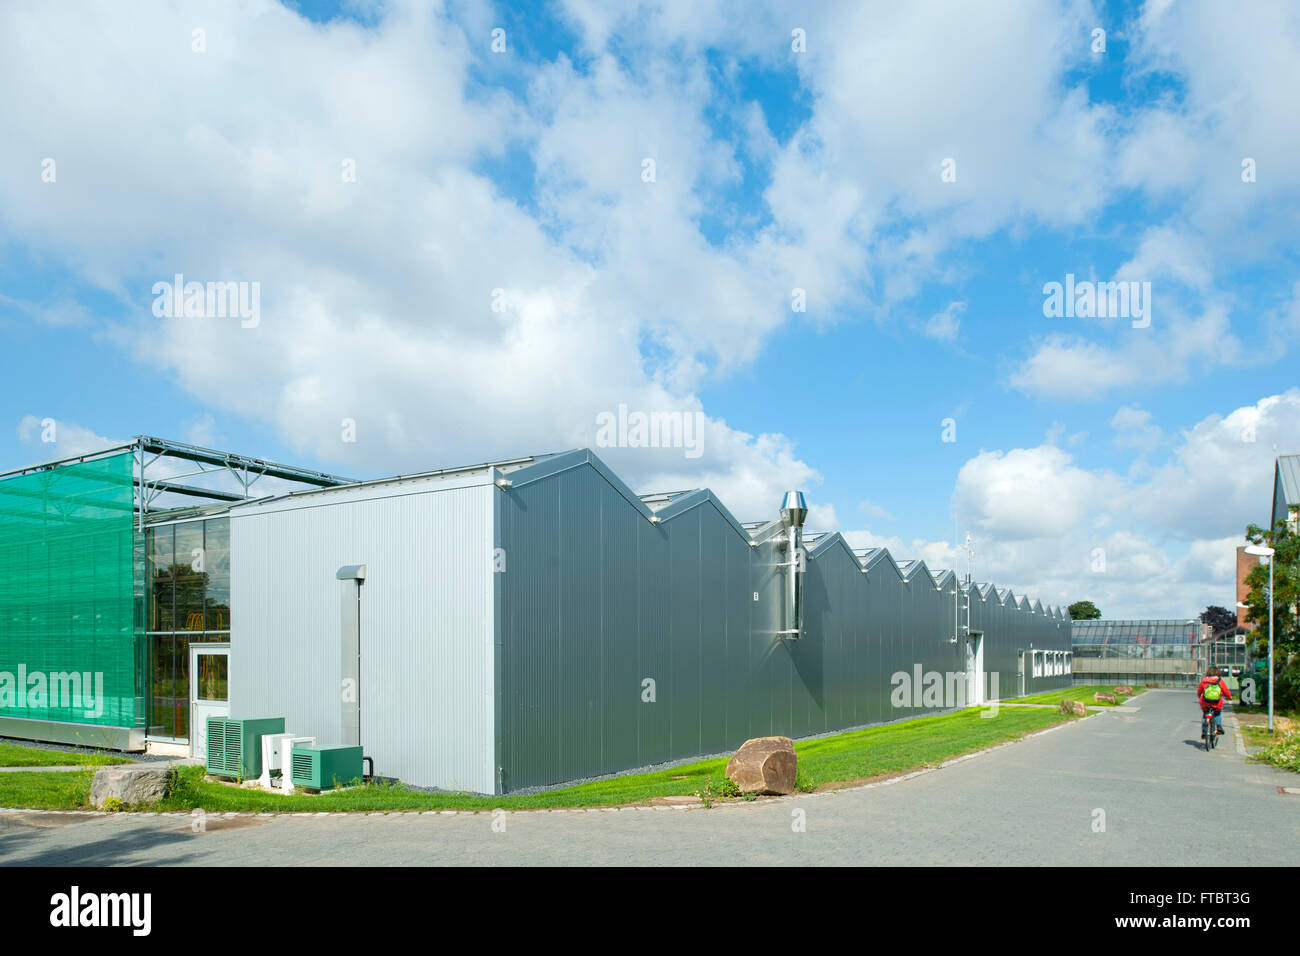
1207	733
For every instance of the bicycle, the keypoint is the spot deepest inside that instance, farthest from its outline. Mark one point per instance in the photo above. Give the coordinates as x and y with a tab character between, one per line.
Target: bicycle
1209	733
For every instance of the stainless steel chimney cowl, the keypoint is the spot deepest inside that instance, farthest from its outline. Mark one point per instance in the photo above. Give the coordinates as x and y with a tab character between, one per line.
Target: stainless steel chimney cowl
794	510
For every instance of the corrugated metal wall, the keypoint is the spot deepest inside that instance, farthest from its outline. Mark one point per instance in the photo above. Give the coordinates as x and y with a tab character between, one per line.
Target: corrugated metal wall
482	681
598	599
427	656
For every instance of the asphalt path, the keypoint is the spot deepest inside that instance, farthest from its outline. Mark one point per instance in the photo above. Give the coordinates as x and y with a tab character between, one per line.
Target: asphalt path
1112	789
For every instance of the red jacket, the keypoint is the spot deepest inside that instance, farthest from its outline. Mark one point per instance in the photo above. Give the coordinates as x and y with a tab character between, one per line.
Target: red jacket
1213	704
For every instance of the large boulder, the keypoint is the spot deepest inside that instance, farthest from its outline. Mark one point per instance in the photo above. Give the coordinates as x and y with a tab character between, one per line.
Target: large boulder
1073	707
130	783
1102	697
764	765
1126	691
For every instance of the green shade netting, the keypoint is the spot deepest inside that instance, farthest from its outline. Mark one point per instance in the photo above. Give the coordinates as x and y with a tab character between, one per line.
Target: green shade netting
68	648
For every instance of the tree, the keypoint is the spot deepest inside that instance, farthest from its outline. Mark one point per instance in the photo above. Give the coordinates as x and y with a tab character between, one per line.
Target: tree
1286	598
1083	611
1219	619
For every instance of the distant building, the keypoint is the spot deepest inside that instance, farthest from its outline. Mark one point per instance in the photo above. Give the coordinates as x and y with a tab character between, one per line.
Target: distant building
1138	652
1244	563
1286	492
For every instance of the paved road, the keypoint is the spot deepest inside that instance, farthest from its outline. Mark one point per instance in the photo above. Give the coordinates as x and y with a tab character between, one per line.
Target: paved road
1033	802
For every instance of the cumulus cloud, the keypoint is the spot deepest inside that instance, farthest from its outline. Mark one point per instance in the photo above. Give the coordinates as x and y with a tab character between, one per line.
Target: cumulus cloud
1177	343
456	316
1134	429
50	438
1157	541
451	320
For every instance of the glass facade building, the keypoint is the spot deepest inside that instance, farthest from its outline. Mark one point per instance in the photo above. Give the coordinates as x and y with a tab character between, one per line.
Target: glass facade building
96	614
1168	652
115	585
1135	639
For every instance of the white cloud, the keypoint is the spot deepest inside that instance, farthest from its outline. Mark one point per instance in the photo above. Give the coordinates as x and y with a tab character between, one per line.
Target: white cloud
377	294
1157	542
1168	253
51	439
945	325
1135	429
873	510
1176	344
1027	492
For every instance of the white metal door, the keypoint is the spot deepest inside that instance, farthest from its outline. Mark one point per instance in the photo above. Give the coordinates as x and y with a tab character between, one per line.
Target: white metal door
209	692
975	670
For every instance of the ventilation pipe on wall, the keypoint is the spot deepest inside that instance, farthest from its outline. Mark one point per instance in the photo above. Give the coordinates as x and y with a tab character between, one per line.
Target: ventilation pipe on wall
794	510
351	577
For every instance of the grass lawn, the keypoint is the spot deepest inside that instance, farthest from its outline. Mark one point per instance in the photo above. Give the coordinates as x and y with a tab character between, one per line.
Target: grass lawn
1257	735
46	789
12	755
1084	694
854	756
1280	748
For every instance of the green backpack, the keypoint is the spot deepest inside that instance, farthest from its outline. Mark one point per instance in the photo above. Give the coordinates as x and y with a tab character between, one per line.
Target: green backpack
1212	693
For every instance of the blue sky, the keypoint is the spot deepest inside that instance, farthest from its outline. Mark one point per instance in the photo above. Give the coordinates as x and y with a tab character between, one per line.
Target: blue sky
217	155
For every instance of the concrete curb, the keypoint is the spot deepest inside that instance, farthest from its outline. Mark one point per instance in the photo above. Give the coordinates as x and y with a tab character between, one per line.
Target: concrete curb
1238	738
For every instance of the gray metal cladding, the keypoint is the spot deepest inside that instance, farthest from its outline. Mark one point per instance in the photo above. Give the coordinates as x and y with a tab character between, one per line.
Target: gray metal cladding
426	610
615	637
626	642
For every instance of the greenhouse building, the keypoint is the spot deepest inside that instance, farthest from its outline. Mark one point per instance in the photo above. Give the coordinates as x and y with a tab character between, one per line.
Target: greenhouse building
488	628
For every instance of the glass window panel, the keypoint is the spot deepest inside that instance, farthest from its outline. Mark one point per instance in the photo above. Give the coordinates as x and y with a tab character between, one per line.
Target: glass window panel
213	677
161	581
182	685
217	595
162	719
191	571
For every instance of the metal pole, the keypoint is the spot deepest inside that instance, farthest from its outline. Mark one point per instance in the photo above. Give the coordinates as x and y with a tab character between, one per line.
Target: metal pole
1272	558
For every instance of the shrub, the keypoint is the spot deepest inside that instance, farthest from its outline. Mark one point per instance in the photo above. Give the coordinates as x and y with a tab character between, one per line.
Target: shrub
1284	752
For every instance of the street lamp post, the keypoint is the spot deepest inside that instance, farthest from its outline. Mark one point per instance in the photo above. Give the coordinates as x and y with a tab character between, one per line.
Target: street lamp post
1260	550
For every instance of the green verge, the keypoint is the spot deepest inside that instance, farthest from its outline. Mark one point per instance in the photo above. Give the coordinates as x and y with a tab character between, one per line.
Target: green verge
1279	749
46	789
1257	735
873	753
1084	694
12	755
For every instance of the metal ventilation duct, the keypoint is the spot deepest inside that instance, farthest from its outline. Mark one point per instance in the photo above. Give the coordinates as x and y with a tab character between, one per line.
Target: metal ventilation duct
794	511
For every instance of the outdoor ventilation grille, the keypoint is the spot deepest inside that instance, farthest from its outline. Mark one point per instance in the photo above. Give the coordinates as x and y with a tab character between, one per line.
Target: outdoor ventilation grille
235	746
304	765
322	768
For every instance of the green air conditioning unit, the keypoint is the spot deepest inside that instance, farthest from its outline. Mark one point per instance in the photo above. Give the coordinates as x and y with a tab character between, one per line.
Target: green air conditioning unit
235	746
323	768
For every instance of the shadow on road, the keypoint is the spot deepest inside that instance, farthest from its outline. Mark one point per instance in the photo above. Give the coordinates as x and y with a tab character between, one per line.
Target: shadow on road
21	846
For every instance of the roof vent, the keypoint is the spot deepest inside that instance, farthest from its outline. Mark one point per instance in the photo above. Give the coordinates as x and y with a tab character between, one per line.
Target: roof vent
794	510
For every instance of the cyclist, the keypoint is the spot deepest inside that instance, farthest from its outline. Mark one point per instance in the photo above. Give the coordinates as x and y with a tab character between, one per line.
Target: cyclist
1211	694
